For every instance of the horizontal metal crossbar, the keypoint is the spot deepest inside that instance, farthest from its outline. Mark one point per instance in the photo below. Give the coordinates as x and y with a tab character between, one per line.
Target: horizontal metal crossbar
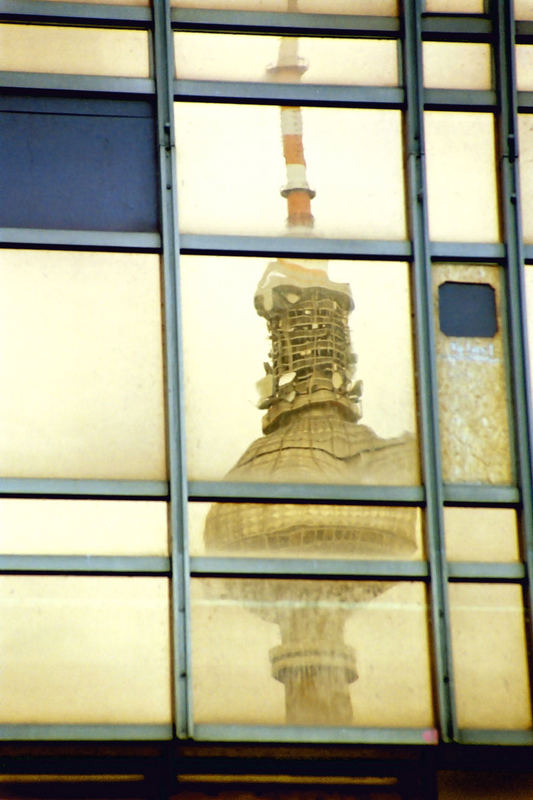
66	488
307	568
85	565
64	13
209	244
305	733
80	240
67	733
466	571
289	94
77	84
279	23
474	494
221	491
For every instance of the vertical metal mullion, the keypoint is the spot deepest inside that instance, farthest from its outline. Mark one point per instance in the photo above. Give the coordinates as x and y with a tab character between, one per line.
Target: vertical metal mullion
425	355
164	74
511	211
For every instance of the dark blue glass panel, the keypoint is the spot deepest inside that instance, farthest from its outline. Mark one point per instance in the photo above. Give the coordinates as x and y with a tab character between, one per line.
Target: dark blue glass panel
78	165
467	309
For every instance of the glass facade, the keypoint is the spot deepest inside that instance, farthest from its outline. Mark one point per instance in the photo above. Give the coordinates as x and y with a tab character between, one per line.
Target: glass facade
265	322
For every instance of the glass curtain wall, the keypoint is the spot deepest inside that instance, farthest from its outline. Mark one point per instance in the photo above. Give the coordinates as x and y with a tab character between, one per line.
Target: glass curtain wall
266	434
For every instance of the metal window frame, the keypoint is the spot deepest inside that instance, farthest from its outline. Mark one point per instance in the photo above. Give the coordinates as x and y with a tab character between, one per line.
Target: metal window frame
411	28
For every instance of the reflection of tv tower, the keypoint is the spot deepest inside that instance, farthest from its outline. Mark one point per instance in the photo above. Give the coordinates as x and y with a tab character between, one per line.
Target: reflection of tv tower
311	433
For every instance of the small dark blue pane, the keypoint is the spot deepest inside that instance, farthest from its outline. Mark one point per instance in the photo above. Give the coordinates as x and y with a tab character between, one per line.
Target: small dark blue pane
78	167
467	309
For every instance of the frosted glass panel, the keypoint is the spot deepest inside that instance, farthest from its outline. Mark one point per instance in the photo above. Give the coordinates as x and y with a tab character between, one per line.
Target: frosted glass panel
266	58
461	170
320	424
523	9
525	134
81	366
524	65
354	165
84	650
456	65
367	7
83	527
456	6
473	397
489	656
481	534
310	652
82	51
305	531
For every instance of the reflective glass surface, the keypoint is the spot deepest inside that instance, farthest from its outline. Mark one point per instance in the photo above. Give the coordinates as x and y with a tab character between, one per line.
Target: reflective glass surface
84	650
461	175
305	531
525	133
310	652
524	65
287	60
523	9
456	65
82	51
366	7
354	165
529	308
289	324
81	366
83	527
473	396
489	656
481	534
456	6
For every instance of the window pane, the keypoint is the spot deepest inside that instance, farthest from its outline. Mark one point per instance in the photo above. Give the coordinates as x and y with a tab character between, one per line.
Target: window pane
523	9
81	366
456	6
489	656
461	170
367	7
525	133
456	65
354	159
524	66
83	51
473	397
310	652
289	59
529	308
83	527
84	650
481	534
92	165
305	531
309	392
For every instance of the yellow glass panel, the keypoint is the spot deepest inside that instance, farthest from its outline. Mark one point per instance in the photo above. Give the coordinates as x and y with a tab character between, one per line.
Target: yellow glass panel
226	346
524	67
456	65
82	51
111	2
266	58
84	650
481	534
525	136
523	9
489	656
310	652
367	7
305	531
456	6
354	164
529	307
461	174
83	527
473	398
81	366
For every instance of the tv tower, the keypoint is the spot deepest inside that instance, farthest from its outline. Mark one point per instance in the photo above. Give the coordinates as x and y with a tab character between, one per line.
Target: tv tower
311	433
